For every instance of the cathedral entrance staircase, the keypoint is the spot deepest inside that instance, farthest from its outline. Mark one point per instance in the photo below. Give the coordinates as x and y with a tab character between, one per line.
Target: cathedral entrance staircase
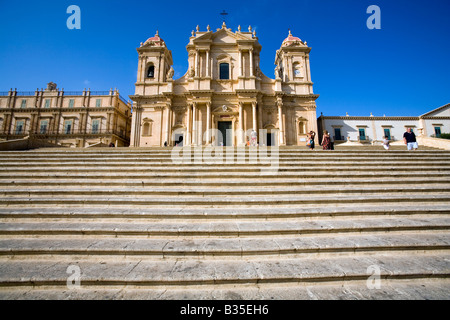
113	223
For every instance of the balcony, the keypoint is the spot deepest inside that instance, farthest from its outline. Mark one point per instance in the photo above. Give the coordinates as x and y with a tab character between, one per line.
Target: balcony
62	134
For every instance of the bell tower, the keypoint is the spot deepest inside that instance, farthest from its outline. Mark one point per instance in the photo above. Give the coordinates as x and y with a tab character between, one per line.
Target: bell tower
292	66
154	66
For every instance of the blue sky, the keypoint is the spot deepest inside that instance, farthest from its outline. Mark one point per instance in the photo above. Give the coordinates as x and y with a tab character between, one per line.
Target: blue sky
401	69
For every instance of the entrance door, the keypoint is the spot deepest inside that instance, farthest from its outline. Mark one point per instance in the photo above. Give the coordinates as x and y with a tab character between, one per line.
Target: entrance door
226	131
270	139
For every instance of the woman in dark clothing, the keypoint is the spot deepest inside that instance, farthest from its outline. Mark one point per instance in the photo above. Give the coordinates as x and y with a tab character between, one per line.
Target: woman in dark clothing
326	142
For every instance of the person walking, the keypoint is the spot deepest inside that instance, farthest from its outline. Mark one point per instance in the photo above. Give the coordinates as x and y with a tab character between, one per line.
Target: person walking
386	142
409	138
326	141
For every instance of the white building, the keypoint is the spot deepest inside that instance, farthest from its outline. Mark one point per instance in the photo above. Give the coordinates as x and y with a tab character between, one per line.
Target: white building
372	129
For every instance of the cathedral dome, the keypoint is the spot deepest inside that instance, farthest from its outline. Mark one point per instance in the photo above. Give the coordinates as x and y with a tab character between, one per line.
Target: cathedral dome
155	40
291	40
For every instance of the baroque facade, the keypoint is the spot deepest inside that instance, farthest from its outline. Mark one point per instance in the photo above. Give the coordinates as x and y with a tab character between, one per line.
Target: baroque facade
223	96
70	119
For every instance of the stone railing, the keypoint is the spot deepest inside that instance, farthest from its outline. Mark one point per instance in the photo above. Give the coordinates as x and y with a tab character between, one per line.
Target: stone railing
433	142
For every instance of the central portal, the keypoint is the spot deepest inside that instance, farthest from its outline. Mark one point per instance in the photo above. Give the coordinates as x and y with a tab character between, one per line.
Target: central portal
226	138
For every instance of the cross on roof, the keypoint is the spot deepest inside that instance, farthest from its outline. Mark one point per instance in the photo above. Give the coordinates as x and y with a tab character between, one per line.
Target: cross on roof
223	14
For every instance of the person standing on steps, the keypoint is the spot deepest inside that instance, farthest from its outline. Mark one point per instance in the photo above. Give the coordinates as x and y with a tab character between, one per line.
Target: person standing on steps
409	138
310	138
326	142
386	143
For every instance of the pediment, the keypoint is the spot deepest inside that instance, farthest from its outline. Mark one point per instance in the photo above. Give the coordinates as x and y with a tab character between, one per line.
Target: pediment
443	111
223	35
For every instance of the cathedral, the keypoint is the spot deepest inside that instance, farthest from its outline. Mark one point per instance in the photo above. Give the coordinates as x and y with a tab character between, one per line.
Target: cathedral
223	99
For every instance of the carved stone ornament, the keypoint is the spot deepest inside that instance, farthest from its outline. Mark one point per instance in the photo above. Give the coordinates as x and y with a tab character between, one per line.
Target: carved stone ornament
170	73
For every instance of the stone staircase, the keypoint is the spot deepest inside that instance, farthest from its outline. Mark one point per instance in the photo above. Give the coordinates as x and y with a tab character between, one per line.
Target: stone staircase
115	223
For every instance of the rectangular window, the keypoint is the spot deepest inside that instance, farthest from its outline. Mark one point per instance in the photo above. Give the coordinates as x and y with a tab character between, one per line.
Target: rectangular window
224	71
19	127
24	104
43	127
68	126
437	132
47	103
387	133
337	134
98	103
95	126
71	103
362	134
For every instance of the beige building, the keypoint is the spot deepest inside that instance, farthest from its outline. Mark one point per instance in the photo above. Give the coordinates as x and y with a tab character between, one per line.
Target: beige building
224	91
71	119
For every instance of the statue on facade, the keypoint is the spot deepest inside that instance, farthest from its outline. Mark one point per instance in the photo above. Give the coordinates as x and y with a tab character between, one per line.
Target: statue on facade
51	86
170	73
277	72
191	72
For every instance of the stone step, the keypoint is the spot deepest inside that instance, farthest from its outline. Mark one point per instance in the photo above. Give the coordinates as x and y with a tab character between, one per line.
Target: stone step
211	247
224	228
293	152
225	200
393	288
141	188
284	192
261	176
14	182
308	212
194	273
240	163
377	166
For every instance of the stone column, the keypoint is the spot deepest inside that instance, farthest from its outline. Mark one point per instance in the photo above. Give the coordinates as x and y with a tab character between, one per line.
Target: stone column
208	63
136	126
196	63
280	122
194	124
241	123
260	123
240	63
251	62
108	122
254	116
167	133
208	123
308	72
32	122
188	126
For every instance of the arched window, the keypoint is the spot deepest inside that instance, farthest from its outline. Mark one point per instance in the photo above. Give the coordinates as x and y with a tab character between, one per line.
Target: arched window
151	71
224	69
302	125
147	130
